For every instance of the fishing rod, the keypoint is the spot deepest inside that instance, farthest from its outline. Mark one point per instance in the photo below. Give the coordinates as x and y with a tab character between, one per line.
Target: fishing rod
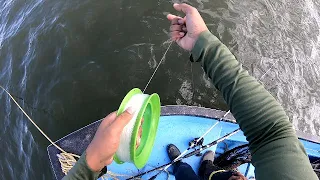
197	151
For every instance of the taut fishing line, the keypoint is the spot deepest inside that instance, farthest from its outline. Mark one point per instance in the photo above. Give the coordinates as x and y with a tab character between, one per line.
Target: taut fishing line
137	138
154	72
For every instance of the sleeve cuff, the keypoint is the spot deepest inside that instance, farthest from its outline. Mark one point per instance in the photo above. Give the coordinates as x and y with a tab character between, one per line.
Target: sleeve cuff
205	39
81	170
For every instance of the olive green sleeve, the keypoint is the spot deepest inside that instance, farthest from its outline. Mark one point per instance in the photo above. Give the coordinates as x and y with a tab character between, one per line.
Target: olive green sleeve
276	151
81	171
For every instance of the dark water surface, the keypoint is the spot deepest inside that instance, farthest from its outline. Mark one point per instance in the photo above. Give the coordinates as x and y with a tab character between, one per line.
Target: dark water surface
71	62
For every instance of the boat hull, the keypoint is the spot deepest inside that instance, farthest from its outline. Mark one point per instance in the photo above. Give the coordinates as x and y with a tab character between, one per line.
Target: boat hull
178	125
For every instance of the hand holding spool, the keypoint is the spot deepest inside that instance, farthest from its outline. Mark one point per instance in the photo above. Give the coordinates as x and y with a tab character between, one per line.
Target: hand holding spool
126	135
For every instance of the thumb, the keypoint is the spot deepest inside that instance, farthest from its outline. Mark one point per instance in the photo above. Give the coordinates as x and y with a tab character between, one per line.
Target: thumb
123	119
183	7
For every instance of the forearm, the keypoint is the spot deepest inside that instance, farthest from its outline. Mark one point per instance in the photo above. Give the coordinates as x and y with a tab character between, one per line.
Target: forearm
261	118
249	102
81	171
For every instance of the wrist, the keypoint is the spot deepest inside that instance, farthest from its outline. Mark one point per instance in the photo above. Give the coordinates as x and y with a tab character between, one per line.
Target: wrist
206	38
93	161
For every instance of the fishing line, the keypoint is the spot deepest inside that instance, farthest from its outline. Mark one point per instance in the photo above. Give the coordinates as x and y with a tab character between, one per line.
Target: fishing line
220	119
194	144
154	72
197	151
192	80
132	136
123	151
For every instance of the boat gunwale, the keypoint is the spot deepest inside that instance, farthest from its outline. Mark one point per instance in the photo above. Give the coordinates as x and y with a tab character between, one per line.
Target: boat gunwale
184	110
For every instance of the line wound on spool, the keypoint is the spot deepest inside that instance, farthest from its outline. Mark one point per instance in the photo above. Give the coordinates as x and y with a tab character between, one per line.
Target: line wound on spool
147	109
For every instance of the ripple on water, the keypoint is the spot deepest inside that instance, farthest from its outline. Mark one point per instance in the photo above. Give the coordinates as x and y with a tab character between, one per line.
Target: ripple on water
286	35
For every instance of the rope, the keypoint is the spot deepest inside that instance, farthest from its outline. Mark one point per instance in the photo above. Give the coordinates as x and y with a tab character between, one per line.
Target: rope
31	120
215	172
67	160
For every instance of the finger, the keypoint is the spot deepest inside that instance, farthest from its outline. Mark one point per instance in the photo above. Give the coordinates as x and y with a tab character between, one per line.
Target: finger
122	120
183	7
170	17
176	35
182	21
184	28
175	21
109	119
182	34
175	28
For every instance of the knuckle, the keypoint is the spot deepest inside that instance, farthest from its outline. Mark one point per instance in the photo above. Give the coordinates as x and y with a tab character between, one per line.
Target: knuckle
124	115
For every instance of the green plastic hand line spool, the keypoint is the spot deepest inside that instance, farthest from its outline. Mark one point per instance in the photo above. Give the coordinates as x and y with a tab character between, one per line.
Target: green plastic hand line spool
147	107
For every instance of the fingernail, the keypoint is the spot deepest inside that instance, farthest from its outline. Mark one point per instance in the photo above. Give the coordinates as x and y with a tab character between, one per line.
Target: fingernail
180	21
181	33
130	110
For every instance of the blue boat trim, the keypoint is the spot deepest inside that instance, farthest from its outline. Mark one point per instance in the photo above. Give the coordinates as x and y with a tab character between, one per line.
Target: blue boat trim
171	117
171	110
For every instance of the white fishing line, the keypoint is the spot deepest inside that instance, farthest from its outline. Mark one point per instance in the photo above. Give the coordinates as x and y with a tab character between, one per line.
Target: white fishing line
154	72
123	151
